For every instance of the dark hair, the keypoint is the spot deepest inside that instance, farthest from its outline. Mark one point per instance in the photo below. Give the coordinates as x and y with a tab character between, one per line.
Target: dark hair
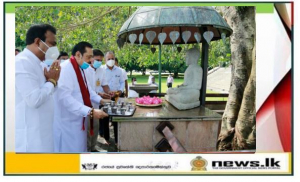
17	50
116	60
133	78
81	47
62	53
97	52
38	31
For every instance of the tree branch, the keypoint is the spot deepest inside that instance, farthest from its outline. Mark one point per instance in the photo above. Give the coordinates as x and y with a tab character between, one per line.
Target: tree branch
89	21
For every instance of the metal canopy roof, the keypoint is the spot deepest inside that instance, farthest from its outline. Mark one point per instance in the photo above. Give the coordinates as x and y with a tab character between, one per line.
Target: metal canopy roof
179	18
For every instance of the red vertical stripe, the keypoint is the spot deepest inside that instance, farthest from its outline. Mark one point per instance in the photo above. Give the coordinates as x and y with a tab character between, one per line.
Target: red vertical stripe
283	97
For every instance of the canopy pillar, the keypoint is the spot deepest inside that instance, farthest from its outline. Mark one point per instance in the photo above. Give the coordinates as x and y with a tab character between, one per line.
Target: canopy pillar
159	69
204	65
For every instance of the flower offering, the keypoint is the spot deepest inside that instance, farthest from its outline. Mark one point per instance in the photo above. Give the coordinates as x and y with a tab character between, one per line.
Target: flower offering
147	100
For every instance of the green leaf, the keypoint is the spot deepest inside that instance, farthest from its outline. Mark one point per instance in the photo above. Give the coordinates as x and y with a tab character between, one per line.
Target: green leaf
55	11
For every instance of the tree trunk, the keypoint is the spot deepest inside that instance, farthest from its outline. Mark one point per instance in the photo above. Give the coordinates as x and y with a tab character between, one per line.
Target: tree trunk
238	121
245	127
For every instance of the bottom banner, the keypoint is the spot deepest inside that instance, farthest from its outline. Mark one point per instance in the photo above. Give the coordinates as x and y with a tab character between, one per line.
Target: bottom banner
258	163
153	163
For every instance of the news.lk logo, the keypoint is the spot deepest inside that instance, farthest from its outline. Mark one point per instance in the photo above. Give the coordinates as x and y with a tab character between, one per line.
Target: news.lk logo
269	163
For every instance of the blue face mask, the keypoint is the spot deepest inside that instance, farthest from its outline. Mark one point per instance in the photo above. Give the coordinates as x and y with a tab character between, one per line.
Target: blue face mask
84	65
48	62
97	64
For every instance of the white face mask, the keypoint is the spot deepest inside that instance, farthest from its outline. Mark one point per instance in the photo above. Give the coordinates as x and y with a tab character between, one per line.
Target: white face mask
63	60
110	63
51	54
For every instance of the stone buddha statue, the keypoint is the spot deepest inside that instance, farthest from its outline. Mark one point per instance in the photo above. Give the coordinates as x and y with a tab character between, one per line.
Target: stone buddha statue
186	96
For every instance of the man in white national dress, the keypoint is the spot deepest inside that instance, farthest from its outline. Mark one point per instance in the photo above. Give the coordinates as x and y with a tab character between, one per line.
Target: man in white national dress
96	78
73	107
116	83
35	86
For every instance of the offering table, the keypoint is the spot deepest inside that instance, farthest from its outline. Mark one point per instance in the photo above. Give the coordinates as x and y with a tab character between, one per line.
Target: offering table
196	129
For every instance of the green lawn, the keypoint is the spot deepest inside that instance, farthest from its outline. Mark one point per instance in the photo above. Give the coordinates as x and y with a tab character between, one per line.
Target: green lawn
143	79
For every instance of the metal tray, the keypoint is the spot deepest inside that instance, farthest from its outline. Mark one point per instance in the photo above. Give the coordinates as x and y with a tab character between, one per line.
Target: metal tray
127	114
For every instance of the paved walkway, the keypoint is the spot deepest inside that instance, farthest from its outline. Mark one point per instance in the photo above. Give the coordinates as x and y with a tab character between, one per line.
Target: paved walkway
219	81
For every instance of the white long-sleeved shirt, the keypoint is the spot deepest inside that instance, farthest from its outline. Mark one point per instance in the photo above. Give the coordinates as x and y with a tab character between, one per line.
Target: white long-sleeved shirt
69	93
70	110
34	105
97	78
114	78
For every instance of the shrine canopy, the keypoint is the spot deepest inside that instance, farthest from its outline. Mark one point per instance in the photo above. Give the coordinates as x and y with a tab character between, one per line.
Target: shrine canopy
157	25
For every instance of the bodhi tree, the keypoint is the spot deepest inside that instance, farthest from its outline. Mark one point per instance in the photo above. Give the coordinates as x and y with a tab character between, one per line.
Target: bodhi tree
219	53
99	25
238	130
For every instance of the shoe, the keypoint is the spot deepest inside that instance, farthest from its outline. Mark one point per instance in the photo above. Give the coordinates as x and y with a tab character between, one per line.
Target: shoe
95	150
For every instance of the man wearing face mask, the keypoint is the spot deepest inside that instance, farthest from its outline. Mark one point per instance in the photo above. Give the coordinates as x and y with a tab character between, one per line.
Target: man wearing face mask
63	56
96	76
124	77
34	104
73	102
116	83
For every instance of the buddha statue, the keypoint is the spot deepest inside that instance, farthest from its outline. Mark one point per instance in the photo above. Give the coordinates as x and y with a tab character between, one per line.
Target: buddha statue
186	96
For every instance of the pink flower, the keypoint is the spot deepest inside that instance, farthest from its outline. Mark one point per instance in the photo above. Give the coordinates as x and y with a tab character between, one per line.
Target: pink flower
155	102
147	100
